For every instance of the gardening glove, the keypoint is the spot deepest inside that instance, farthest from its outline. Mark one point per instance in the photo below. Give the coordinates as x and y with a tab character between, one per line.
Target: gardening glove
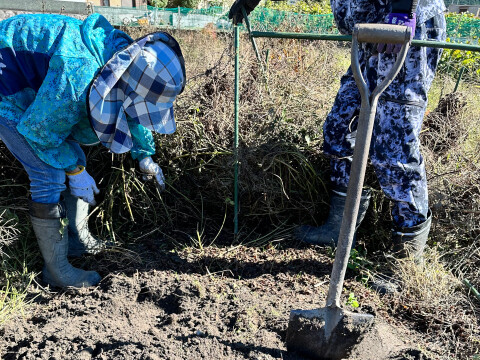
82	185
398	19
236	10
150	169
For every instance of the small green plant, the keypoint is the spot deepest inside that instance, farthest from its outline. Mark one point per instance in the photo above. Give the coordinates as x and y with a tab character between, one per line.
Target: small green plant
358	260
352	300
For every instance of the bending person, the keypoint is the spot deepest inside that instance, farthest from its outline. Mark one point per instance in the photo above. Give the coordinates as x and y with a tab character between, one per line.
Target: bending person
64	82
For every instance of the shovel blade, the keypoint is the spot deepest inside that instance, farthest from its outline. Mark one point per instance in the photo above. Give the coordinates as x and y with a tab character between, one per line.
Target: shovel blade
326	333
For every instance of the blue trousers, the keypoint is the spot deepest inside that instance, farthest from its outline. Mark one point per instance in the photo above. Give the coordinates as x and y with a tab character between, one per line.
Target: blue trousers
395	149
46	182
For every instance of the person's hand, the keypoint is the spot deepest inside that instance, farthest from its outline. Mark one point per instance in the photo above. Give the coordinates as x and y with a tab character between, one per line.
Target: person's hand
236	10
151	169
82	185
398	19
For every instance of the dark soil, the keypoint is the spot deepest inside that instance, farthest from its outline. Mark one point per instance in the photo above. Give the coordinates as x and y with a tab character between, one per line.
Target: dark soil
219	303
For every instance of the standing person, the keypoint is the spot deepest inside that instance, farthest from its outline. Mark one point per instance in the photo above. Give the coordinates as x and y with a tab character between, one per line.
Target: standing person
64	82
395	150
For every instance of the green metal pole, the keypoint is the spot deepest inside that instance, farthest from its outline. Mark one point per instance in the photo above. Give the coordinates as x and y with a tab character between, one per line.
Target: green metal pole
432	44
247	24
286	35
470	286
235	134
459	78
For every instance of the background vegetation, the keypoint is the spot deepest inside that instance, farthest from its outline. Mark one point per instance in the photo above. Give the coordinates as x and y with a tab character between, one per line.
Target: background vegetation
302	7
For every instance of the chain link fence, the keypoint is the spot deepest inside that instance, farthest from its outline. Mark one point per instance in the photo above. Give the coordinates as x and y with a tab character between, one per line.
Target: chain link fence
264	19
179	18
463	28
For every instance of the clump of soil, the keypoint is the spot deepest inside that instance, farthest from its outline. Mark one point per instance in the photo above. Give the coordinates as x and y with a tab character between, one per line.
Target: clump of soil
443	127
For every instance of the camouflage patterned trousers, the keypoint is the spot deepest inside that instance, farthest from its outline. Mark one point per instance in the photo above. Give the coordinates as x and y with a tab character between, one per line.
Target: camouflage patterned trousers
395	148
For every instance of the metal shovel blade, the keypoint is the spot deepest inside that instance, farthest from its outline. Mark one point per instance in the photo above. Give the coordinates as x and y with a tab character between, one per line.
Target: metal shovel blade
326	333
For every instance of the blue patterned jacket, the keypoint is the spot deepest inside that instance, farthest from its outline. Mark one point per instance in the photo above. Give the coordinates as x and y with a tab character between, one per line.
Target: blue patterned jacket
47	63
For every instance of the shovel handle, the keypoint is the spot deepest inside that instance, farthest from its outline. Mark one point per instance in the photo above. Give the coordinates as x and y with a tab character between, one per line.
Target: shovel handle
371	33
382	33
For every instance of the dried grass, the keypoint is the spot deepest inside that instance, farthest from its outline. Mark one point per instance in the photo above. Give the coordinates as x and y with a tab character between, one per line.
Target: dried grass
434	300
443	128
9	231
281	169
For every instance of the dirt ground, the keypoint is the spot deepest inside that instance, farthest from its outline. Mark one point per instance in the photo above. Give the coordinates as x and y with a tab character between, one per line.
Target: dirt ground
215	303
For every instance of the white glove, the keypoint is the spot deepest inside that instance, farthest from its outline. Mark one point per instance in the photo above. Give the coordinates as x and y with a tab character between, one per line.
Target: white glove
83	186
151	169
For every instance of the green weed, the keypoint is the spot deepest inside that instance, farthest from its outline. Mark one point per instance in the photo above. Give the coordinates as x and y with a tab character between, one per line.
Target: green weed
352	300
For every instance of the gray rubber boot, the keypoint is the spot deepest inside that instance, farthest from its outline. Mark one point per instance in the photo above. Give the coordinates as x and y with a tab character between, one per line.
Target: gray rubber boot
50	226
407	242
327	234
80	240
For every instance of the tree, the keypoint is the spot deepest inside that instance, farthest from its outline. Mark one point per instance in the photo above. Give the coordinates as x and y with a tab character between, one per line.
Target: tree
192	4
158	3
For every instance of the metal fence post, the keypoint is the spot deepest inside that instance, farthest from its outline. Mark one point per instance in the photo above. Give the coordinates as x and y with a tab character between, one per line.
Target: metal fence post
459	78
178	22
252	39
235	134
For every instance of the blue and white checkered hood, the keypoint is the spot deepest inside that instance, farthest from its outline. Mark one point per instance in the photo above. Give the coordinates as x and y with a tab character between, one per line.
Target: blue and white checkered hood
140	81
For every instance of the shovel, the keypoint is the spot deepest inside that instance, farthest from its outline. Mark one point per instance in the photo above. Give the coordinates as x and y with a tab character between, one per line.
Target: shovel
331	332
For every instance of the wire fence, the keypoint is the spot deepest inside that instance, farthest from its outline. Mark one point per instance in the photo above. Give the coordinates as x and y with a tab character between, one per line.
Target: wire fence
460	27
263	19
463	28
179	18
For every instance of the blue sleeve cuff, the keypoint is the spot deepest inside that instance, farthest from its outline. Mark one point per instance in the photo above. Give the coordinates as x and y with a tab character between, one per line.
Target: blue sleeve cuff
143	142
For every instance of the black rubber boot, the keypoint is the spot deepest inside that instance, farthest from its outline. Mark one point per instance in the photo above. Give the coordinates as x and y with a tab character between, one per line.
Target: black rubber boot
327	234
411	242
51	229
80	240
407	243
